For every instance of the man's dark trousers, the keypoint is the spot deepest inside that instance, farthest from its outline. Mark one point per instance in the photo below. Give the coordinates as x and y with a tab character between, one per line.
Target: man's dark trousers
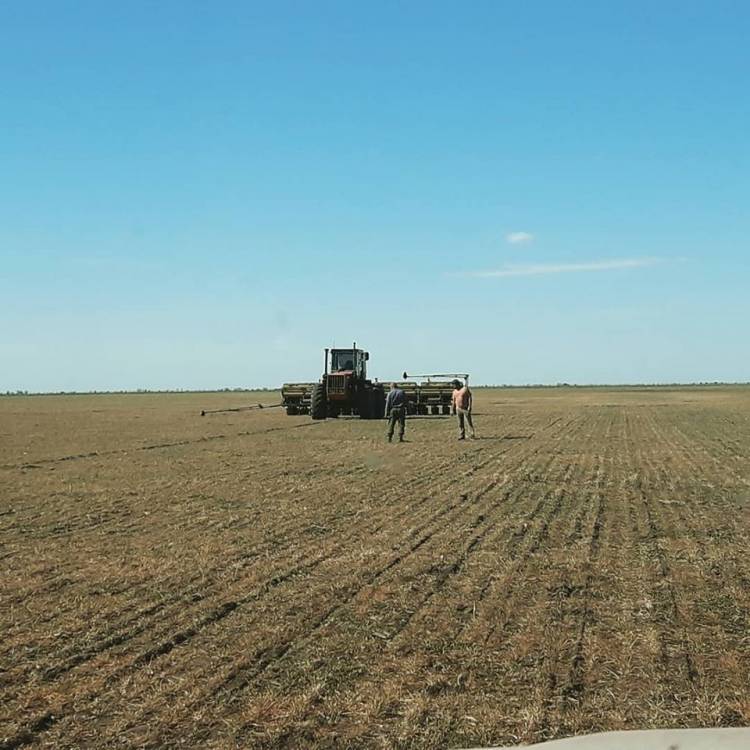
398	414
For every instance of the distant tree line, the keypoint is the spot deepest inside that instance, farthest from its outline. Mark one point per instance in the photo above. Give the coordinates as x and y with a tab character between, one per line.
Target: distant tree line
712	383
138	390
707	383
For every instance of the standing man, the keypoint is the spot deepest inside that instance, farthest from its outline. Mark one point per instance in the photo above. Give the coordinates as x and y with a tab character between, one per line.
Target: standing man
395	411
461	406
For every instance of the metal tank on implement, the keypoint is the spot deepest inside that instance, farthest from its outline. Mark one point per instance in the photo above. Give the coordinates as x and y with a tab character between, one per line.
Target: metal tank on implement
430	394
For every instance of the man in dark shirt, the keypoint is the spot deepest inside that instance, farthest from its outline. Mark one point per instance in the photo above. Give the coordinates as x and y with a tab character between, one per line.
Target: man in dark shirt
395	411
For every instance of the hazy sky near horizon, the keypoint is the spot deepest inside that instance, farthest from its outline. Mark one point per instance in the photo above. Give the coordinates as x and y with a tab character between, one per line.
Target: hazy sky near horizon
199	195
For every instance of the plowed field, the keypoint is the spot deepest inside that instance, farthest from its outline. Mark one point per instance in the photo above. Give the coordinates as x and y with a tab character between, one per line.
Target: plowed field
256	580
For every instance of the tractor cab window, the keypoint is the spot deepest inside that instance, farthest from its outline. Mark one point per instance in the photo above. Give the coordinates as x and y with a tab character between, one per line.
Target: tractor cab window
342	359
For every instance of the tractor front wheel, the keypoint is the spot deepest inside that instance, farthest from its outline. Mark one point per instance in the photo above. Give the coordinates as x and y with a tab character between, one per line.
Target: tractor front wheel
318	402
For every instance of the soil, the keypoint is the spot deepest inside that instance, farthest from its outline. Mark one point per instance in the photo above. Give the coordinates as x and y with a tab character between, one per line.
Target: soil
248	579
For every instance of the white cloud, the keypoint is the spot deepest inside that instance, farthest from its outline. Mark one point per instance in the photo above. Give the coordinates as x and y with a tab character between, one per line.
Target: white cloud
519	238
540	269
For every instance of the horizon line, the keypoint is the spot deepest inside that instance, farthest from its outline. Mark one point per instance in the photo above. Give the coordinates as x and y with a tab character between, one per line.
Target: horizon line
271	389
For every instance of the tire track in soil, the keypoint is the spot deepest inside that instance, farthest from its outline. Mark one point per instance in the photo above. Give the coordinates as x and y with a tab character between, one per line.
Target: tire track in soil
263	656
279	541
440	580
27	735
215	616
268	655
659	518
109	641
485	491
39	463
568	605
734	610
508	584
71	521
400	486
185	599
724	537
481	465
53	585
448	572
399	641
609	553
656	533
120	526
696	523
688	449
571	607
722	468
282	491
574	688
641	634
671	632
179	599
515	549
520	533
87	519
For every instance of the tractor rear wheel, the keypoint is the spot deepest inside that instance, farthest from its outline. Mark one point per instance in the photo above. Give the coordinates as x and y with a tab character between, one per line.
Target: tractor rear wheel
318	402
365	403
378	402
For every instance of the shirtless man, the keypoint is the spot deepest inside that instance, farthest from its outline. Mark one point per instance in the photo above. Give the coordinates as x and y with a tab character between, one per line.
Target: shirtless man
461	407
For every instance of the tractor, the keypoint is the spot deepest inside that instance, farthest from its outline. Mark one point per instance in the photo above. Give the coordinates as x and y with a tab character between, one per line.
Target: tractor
345	389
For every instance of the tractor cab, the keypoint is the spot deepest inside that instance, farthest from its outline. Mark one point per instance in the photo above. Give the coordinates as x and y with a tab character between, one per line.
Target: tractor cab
350	360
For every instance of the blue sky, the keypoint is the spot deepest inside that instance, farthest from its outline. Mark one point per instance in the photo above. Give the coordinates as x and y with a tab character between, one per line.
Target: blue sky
207	194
